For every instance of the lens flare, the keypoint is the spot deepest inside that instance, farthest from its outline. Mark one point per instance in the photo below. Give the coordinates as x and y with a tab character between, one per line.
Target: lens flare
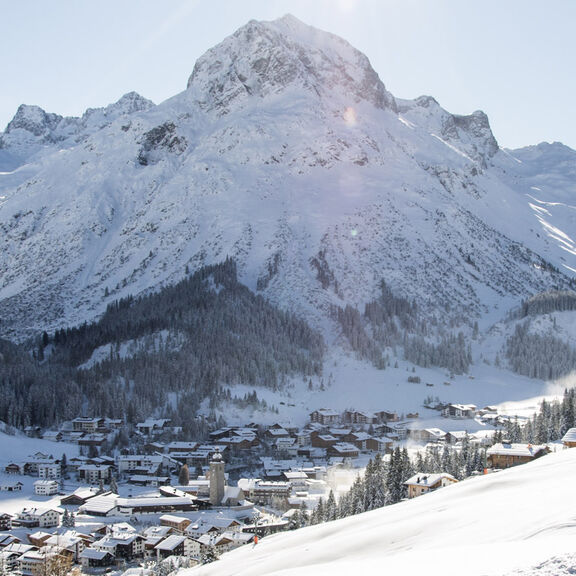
350	116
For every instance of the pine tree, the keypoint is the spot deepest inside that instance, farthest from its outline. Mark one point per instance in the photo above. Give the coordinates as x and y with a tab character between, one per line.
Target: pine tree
330	509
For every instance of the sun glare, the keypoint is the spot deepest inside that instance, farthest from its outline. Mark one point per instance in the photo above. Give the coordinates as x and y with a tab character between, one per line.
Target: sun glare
350	117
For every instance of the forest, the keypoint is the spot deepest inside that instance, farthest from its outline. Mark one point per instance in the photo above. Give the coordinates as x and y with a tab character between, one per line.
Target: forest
164	354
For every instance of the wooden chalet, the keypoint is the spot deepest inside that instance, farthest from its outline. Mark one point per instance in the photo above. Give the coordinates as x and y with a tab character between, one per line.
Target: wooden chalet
422	483
506	455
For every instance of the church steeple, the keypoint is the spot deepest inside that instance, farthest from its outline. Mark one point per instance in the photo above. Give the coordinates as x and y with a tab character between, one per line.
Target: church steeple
217	480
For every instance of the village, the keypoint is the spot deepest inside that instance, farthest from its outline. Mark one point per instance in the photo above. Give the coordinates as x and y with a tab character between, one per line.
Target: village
180	503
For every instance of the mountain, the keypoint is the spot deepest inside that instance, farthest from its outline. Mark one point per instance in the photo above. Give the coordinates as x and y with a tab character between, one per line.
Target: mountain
513	522
32	130
286	153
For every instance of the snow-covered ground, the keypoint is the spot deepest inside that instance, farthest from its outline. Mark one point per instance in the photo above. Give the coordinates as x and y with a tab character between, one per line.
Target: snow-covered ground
519	521
353	384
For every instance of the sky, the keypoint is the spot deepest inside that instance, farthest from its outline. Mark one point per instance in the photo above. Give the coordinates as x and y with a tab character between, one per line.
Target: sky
512	59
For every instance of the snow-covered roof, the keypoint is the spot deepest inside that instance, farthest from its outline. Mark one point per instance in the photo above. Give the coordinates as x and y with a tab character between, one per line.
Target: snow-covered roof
421	479
172	518
153	501
100	504
570	435
93	554
528	450
170	543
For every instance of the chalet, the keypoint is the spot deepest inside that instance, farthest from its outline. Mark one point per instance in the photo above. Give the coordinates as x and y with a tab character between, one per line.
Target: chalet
32	431
49	470
180	447
455	437
15	550
91	558
72	436
11	486
343	450
325	417
264	492
46	487
70	543
276	431
33	561
176	522
286	444
160	504
122	545
96	439
89	425
384	416
14	468
152	427
174	545
139	463
5	521
145	480
32	463
213	525
38	538
78	497
93	473
37	517
101	505
9	561
383	444
297	479
427	435
422	483
239	441
52	435
155	534
322	440
506	455
7	539
460	411
569	439
358	417
302	438
358	439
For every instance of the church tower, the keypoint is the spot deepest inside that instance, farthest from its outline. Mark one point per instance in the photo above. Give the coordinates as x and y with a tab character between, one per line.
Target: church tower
217	481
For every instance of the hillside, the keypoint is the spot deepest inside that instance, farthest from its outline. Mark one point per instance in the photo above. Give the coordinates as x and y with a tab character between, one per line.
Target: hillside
166	354
512	522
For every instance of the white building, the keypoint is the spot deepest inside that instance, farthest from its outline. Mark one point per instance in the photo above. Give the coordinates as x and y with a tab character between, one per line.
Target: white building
40	517
46	487
49	470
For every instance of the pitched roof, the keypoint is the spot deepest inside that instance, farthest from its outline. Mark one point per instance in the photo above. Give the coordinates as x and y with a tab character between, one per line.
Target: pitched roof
570	435
421	479
527	450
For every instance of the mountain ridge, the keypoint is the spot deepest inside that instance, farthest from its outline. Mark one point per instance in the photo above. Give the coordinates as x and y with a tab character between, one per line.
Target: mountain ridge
315	179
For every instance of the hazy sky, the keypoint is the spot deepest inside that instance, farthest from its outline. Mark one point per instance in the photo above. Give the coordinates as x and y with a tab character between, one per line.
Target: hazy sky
514	59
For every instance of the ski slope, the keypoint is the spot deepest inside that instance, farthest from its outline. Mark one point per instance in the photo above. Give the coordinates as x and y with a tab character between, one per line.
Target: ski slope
518	521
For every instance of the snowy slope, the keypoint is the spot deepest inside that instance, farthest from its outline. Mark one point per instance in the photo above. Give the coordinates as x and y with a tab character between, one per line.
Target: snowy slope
287	153
519	519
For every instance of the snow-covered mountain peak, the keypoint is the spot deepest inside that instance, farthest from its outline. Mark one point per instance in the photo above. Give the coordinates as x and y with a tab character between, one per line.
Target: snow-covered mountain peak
266	58
33	129
287	154
128	104
33	119
470	134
